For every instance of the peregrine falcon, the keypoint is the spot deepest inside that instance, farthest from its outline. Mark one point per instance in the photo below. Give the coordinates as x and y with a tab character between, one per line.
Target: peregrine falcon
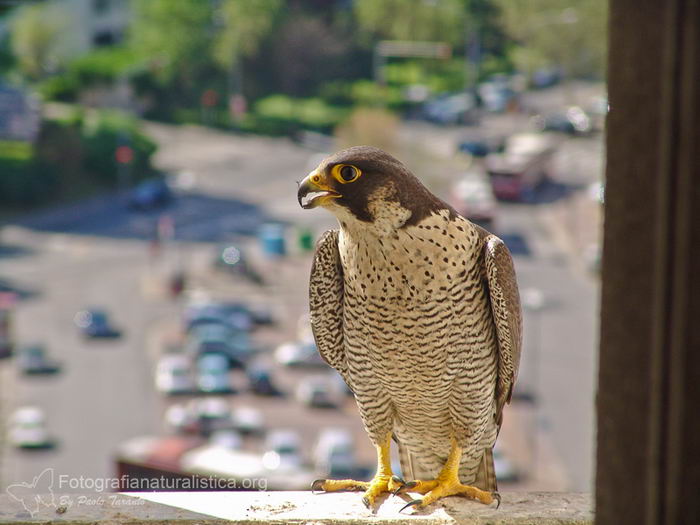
418	310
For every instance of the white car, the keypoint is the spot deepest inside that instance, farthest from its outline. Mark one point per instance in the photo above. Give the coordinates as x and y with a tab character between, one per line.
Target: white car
27	428
248	420
473	198
226	438
283	450
299	354
334	454
213	374
200	416
319	391
174	375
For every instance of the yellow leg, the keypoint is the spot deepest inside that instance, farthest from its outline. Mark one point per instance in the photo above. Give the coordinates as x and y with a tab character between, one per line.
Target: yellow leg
446	484
378	485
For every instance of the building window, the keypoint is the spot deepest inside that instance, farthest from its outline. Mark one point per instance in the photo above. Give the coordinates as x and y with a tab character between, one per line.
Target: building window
104	38
101	6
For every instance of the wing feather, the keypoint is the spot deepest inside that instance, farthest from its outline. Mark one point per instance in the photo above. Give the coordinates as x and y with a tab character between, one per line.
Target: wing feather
326	288
507	315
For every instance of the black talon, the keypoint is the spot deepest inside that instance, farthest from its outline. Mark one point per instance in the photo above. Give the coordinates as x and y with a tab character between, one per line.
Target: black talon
398	479
497	497
366	502
406	485
411	504
317	486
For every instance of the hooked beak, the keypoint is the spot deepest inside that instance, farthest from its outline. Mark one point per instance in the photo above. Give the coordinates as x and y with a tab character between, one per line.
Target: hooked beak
315	191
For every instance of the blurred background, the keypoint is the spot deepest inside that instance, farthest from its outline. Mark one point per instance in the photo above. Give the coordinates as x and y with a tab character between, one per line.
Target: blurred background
154	261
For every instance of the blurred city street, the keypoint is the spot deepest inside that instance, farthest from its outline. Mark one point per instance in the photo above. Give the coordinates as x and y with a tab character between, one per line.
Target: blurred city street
99	254
155	331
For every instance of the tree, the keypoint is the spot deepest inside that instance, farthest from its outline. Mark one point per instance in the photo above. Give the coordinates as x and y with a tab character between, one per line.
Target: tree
35	39
242	27
431	20
175	35
572	36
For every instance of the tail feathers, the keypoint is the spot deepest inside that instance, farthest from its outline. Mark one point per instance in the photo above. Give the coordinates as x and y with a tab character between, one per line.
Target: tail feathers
485	478
486	474
410	466
405	460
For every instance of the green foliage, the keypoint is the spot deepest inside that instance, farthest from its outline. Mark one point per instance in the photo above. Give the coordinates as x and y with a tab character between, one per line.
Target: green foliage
15	150
64	88
23	179
35	38
7	58
104	65
319	54
174	36
99	67
103	135
442	20
283	115
72	156
437	75
243	26
25	183
550	34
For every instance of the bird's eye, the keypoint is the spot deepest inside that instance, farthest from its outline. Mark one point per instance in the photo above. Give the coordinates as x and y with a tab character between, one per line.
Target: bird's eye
349	173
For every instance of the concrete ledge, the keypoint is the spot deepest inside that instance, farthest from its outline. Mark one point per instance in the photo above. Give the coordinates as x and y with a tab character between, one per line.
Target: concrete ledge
256	508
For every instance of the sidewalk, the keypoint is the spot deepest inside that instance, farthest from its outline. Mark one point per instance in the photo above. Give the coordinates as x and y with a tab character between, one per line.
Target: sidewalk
576	226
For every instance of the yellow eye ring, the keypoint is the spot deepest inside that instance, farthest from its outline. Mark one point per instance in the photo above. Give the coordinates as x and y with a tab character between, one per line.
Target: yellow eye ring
346	173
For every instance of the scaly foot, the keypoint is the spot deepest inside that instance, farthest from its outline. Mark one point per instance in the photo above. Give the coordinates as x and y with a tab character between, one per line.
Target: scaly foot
435	489
446	484
373	489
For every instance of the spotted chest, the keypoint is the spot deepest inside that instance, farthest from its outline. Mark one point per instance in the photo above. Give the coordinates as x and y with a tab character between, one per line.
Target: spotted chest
409	298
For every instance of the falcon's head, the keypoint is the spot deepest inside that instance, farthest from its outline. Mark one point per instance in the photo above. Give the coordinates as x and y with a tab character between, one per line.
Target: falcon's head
365	182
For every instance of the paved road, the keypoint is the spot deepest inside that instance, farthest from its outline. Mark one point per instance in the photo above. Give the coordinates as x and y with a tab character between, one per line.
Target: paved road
100	257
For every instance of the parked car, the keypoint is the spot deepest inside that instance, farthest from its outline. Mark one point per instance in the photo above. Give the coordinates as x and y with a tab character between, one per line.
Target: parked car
233	314
95	323
232	258
573	120
318	391
496	96
202	416
227	438
260	381
452	108
475	148
174	375
283	450
334	453
33	360
149	194
248	420
473	198
299	355
240	316
220	338
27	429
213	374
